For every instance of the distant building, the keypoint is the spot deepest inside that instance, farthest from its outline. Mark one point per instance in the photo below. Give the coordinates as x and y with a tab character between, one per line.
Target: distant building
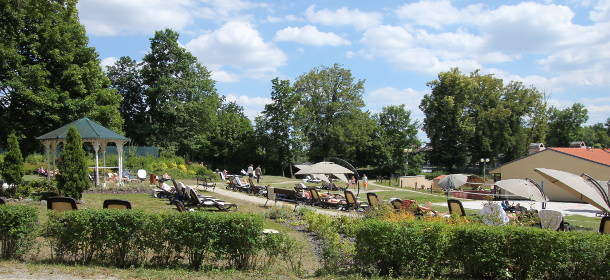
577	159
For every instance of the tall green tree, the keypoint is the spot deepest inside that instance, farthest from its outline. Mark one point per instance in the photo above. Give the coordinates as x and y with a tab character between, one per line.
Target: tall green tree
565	125
330	113
596	136
275	127
12	167
231	146
49	75
126	79
447	123
73	178
394	142
175	99
478	116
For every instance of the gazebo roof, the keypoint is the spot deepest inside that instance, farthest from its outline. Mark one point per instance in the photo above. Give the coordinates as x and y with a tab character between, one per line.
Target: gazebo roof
88	130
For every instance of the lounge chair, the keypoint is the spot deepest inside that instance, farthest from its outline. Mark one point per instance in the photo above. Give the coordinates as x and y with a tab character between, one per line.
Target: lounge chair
240	186
351	202
164	191
205	182
325	202
199	201
116	204
61	203
455	207
604	225
373	200
553	219
179	206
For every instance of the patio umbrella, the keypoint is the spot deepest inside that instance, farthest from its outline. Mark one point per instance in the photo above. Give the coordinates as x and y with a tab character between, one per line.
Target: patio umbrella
324	167
577	186
321	177
522	188
341	177
453	181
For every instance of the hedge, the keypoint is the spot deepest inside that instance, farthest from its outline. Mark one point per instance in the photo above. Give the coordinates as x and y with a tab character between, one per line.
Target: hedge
428	249
17	230
136	238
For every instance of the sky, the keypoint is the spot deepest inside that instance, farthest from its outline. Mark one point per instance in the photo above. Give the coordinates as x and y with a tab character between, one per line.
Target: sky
560	47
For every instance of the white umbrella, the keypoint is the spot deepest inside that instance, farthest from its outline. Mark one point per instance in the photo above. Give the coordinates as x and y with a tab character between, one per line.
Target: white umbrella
324	167
522	188
341	177
453	181
577	186
321	177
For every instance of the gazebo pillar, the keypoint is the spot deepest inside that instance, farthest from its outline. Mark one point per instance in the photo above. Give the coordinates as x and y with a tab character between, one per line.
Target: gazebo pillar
47	149
119	151
96	148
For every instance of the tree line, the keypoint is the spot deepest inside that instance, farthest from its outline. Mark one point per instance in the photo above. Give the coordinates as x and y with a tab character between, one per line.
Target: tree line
50	77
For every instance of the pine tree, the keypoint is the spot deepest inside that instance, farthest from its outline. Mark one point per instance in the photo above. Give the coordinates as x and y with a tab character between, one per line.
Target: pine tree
72	178
12	167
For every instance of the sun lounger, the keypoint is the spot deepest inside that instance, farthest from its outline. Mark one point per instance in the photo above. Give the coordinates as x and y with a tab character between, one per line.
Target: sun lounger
455	207
199	201
116	204
373	200
352	203
61	203
604	225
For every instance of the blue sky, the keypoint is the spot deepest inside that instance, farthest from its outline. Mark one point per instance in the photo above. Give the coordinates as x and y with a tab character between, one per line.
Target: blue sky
560	47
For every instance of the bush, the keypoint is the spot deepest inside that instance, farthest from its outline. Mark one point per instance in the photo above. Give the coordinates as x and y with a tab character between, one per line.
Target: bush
17	230
431	250
281	246
131	238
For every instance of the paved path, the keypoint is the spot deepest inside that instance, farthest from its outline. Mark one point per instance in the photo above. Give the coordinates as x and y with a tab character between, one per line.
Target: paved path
260	201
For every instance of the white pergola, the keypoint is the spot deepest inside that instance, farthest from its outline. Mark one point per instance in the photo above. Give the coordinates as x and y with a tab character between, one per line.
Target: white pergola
91	132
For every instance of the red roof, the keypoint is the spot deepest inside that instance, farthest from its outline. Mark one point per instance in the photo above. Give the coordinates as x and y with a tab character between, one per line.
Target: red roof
597	155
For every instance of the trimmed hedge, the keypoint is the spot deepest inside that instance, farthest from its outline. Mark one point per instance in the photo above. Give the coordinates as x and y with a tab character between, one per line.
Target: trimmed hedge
426	249
136	238
17	230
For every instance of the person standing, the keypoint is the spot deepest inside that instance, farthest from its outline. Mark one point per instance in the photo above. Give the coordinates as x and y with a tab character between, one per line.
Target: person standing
365	181
258	172
353	181
250	171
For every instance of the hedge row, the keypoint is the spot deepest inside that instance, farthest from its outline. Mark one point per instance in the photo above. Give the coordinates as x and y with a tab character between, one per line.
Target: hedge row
18	225
136	238
430	249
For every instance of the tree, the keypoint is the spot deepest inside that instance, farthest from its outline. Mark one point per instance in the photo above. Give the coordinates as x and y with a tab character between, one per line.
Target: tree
175	99
126	78
394	133
565	125
231	144
275	127
49	75
596	136
72	179
13	169
330	114
447	125
478	116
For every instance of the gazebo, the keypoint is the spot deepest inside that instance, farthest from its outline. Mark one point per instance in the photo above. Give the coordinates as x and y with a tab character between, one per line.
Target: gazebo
90	131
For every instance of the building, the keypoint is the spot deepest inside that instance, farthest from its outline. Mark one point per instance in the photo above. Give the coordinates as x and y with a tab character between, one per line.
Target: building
576	159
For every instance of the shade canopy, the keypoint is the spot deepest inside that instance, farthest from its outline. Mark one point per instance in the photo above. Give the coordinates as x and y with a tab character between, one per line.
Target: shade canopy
321	177
453	181
90	131
323	167
522	188
577	186
341	177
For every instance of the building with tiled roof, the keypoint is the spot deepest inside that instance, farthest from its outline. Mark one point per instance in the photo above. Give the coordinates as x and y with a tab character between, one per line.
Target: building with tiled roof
577	159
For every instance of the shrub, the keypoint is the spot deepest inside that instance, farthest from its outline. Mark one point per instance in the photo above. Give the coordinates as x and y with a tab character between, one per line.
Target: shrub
279	213
17	230
431	250
73	178
281	246
12	168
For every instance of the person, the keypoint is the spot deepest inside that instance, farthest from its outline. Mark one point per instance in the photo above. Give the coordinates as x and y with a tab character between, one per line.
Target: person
353	181
258	172
165	177
365	181
225	173
251	171
507	207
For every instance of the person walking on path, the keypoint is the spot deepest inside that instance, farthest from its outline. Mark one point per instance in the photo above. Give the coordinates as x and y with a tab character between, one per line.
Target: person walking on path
250	171
353	181
258	172
365	181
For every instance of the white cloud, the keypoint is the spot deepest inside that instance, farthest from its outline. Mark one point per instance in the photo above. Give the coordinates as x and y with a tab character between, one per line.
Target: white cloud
238	45
310	35
344	16
224	76
601	11
113	17
108	61
437	13
252	105
226	10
